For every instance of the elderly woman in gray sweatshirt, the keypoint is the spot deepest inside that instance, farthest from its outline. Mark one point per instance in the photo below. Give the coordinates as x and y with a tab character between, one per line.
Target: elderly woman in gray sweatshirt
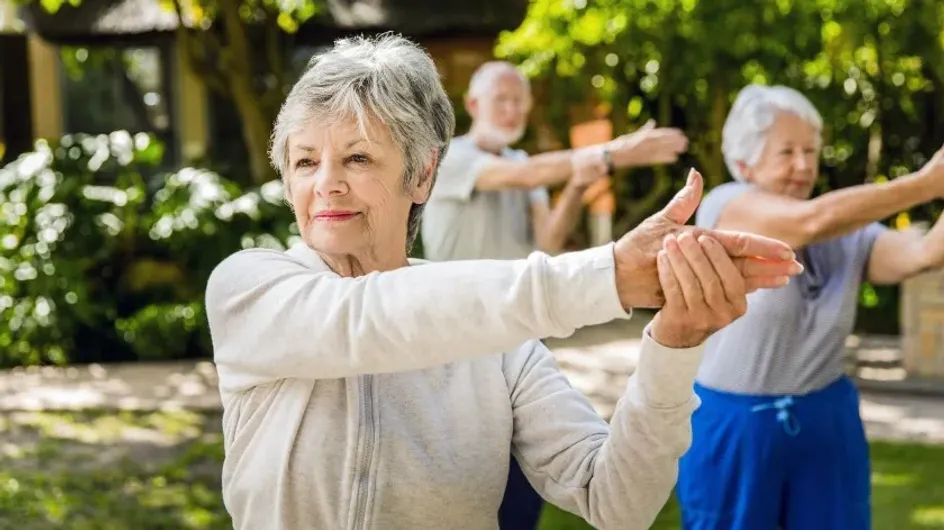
365	391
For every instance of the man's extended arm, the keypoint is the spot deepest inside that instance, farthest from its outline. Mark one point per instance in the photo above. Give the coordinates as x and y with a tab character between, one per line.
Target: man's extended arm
647	146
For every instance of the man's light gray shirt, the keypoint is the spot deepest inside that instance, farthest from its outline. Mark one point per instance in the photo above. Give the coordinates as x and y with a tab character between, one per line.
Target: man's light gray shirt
461	222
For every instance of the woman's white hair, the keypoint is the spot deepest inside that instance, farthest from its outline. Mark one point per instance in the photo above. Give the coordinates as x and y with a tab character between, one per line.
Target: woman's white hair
385	77
754	111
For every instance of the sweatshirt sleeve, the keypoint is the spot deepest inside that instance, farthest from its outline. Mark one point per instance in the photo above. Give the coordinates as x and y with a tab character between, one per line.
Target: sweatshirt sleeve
617	475
273	317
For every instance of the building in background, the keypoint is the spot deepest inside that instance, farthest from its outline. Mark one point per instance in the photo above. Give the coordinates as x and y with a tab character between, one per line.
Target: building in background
109	65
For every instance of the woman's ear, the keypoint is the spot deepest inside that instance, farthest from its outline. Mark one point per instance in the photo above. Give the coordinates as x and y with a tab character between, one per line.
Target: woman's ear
424	185
745	170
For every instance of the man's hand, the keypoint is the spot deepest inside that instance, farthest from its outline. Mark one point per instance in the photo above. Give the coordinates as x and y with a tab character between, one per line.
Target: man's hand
588	166
648	146
933	172
704	291
763	262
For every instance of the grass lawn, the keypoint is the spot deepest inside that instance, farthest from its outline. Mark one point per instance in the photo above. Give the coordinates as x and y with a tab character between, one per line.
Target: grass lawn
160	471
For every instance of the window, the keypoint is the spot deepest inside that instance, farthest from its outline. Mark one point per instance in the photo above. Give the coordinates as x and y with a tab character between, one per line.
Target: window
108	88
3	138
16	125
228	149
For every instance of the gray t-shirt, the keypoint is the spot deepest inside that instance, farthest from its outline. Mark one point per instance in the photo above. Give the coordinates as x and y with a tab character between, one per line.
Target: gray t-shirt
461	222
791	340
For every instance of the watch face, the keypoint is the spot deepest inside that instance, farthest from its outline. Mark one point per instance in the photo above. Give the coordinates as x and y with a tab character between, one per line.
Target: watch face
608	160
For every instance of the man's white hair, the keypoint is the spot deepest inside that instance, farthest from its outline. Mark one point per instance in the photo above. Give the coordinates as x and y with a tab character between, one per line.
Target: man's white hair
483	79
753	113
385	77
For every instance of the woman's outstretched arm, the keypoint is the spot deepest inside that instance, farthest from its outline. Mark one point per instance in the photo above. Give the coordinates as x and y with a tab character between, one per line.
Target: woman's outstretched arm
272	316
801	222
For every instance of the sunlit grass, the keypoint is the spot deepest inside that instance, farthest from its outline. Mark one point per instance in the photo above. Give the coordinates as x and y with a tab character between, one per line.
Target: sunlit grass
159	471
111	471
907	492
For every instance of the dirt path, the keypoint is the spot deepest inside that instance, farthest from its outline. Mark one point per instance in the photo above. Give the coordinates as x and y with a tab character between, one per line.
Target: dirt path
181	398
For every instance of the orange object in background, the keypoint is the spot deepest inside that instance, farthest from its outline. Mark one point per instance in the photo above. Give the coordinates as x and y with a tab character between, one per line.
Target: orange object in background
600	195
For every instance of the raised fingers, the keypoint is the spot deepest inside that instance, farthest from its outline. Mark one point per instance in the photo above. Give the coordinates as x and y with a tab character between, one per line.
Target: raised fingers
673	138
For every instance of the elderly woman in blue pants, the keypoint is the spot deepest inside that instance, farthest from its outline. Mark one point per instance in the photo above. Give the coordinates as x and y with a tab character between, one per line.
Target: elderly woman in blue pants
778	441
362	390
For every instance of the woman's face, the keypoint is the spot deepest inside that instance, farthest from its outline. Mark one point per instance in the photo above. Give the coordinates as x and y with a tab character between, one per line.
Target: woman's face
789	164
347	192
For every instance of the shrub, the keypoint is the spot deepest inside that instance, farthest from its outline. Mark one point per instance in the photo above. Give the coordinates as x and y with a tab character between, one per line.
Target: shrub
106	259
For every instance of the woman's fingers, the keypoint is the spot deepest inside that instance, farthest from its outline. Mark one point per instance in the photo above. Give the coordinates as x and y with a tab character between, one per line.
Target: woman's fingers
708	277
732	280
753	267
743	244
691	288
670	284
764	282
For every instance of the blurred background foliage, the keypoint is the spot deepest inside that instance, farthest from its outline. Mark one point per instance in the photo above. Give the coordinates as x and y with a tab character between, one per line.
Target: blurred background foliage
105	259
106	246
873	68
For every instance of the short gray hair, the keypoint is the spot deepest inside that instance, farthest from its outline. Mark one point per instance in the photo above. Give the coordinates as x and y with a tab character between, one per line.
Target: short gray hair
387	77
483	78
752	115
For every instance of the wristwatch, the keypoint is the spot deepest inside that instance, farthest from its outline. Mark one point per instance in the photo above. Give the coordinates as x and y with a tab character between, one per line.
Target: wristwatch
608	160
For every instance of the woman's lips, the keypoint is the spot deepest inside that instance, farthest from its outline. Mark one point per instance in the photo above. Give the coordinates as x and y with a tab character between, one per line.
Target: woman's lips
335	216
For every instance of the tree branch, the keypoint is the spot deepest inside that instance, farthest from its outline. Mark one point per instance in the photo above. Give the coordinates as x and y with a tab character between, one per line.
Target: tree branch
275	55
197	57
238	59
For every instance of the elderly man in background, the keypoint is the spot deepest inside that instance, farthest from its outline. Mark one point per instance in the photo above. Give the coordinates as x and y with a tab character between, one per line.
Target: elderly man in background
491	201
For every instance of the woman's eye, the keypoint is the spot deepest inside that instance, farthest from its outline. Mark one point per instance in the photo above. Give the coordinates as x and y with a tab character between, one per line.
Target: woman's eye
358	159
304	162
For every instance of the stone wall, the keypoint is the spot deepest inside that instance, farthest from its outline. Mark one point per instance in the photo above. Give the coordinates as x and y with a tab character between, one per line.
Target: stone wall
922	325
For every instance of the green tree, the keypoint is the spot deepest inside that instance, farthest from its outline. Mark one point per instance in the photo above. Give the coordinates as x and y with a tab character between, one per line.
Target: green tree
239	49
873	68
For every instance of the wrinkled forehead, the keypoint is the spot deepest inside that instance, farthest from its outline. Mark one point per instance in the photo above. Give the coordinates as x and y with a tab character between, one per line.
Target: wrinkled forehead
326	132
510	83
791	128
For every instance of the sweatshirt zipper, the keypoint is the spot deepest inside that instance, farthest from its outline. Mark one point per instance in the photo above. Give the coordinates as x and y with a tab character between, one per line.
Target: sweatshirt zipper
363	481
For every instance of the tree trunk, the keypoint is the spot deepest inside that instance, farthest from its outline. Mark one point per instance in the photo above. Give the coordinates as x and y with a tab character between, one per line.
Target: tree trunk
256	128
239	70
714	162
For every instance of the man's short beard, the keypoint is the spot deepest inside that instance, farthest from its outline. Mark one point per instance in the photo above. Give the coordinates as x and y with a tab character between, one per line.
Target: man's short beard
498	137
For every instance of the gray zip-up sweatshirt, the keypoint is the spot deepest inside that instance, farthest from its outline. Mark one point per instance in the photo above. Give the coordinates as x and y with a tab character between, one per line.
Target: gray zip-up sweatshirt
395	400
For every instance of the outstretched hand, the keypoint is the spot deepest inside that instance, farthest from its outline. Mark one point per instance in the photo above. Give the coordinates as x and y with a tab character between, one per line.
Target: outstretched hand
933	172
649	145
762	262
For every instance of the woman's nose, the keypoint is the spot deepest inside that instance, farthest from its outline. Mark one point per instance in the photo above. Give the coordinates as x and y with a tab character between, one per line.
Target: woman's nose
802	161
330	180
